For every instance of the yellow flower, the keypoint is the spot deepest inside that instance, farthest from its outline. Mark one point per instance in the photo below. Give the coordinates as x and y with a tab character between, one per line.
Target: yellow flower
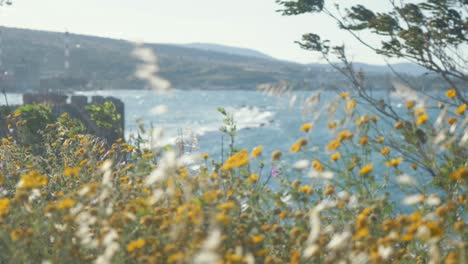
4	207
451	93
394	162
363	141
385	151
345	135
83	162
298	145
237	160
361	233
135	244
257	151
1	178
253	178
257	239
366	169
74	172
227	206
306	127
175	258
399	124
460	174
329	190
332	125
148	155
307	189
66	203
422	119
410	104
461	110
333	145
317	165
344	95
205	156
5	141
335	156
350	105
33	180
380	140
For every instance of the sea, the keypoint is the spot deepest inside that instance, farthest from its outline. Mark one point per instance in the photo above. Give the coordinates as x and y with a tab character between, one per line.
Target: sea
269	120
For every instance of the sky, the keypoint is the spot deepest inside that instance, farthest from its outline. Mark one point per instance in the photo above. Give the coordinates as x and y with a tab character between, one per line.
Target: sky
251	24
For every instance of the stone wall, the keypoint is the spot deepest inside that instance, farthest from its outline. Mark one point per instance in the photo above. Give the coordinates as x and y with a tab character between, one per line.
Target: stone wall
75	106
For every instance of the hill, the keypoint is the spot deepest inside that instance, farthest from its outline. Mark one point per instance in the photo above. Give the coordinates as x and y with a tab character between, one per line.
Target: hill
229	50
104	63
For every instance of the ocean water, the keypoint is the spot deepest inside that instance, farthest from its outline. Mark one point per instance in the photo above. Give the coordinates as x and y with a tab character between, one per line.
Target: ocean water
270	121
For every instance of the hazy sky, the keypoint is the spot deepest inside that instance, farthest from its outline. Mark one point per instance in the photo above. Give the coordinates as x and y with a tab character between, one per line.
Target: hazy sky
243	23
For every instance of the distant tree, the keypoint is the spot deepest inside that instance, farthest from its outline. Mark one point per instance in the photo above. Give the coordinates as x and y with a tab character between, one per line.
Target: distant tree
431	33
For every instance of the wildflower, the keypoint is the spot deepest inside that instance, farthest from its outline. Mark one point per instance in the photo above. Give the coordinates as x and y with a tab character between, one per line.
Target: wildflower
451	93
380	140
452	120
83	162
257	239
4	207
276	155
460	174
459	225
148	155
1	178
227	206
410	104
135	244
275	172
175	258
335	156
333	145
394	162
344	95
461	110
306	127
257	151
399	124
350	105
237	160
329	190
306	189
33	180
385	151
345	135
363	141
366	169
317	165
73	172
422	119
5	141
253	178
66	203
298	145
332	125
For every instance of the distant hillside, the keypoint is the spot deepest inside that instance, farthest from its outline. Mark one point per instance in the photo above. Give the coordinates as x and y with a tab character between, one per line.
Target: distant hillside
229	50
103	63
